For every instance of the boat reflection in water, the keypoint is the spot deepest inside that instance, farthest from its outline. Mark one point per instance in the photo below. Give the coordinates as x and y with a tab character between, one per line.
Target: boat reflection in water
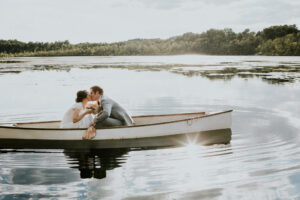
93	163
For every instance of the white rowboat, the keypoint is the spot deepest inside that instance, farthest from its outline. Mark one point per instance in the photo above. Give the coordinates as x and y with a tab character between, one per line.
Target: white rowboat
148	131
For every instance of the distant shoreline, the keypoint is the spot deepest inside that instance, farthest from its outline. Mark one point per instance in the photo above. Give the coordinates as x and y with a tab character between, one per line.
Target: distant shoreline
283	40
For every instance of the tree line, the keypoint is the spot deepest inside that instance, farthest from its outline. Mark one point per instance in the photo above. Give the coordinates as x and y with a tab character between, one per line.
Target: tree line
283	40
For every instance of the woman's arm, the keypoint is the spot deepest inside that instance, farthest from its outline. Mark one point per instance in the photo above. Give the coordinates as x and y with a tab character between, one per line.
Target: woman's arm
77	116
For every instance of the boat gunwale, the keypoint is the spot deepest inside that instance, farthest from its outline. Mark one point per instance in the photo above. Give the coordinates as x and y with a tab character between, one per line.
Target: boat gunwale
117	127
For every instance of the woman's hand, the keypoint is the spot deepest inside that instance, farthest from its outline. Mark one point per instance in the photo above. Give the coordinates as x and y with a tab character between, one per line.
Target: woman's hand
92	106
89	111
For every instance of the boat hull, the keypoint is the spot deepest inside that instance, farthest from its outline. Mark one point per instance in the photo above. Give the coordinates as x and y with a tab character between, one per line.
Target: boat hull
222	136
166	133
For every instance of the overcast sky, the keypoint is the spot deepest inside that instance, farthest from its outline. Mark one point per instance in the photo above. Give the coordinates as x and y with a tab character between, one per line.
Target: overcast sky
121	20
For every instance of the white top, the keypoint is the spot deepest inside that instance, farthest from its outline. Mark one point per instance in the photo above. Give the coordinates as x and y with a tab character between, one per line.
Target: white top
67	121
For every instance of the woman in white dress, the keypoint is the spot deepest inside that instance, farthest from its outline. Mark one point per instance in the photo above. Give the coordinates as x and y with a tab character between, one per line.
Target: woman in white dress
78	116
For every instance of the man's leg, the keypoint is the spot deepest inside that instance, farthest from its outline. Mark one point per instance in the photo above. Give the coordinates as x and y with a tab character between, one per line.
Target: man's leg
108	123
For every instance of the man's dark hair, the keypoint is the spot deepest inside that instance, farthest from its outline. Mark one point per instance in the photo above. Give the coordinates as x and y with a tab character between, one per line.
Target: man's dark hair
97	89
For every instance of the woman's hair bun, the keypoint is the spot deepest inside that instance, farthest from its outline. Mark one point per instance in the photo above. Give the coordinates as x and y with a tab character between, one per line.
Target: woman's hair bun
81	94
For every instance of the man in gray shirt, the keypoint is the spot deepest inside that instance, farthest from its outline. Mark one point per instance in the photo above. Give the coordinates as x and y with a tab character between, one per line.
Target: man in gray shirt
112	114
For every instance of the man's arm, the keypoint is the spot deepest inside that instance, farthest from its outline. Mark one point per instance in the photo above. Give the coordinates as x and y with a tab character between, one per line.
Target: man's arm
105	113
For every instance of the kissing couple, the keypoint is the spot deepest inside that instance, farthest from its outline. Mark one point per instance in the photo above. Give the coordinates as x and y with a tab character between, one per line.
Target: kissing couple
106	113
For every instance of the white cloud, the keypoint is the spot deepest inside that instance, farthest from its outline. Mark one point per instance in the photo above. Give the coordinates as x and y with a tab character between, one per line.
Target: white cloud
118	20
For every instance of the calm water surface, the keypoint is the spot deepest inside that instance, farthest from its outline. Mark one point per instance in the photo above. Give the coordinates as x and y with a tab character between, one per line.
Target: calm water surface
262	160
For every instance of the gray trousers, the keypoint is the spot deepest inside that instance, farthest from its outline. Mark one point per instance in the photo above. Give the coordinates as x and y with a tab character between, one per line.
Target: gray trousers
108	122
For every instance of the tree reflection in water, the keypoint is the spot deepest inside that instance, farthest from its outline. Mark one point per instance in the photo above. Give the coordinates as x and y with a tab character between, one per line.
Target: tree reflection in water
93	163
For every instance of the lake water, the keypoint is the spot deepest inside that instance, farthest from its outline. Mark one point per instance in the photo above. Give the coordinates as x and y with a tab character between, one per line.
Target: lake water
262	160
